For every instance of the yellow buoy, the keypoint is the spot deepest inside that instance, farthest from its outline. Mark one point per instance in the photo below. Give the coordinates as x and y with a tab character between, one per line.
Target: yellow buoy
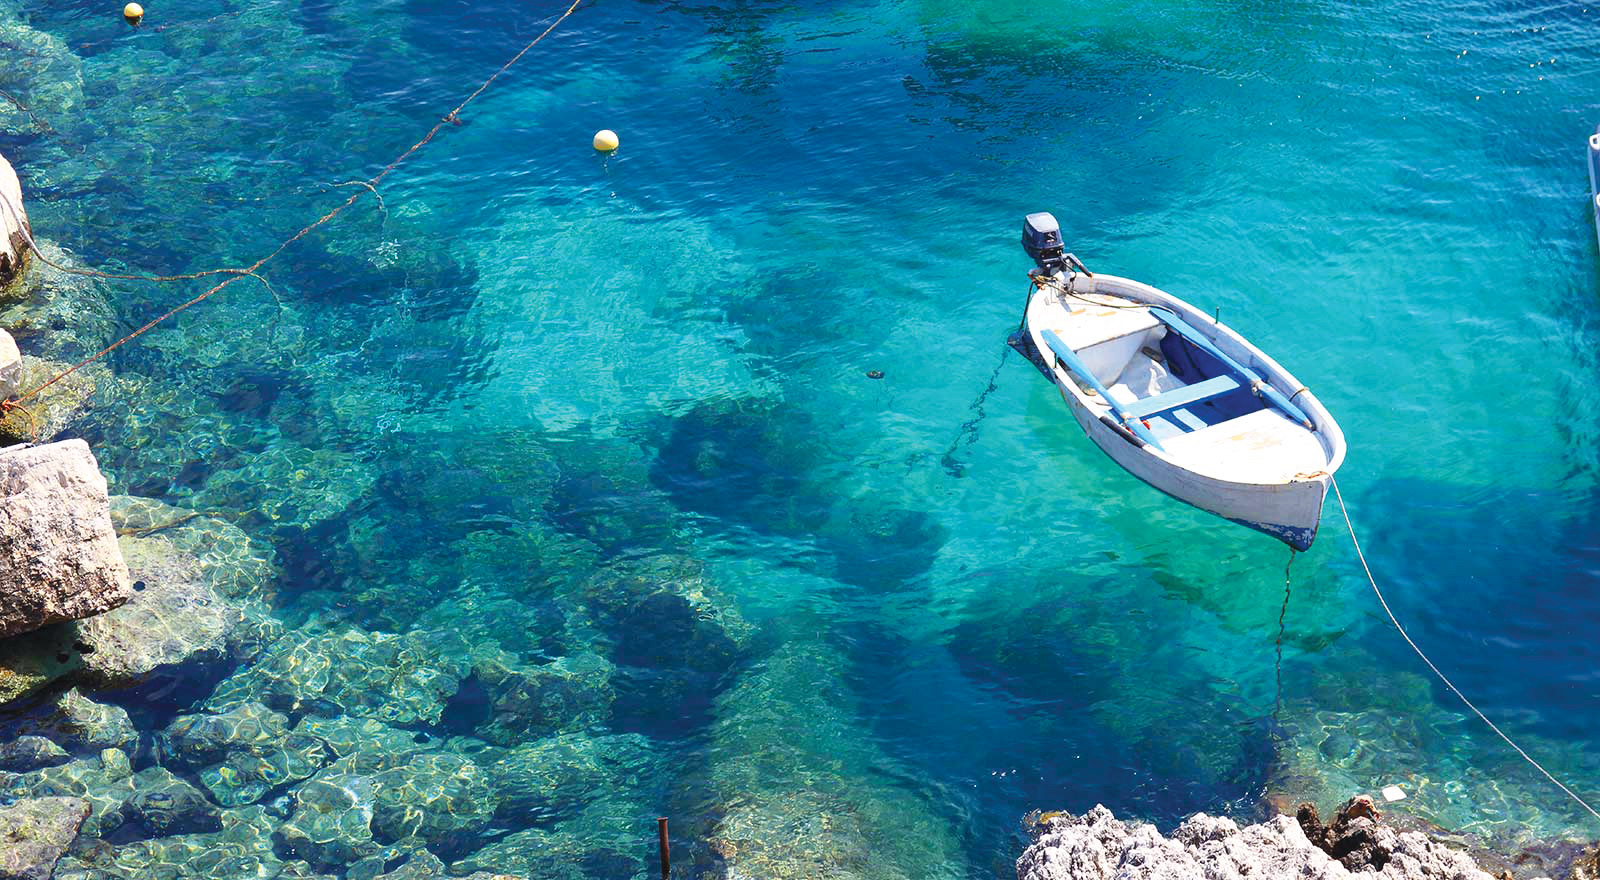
133	13
605	140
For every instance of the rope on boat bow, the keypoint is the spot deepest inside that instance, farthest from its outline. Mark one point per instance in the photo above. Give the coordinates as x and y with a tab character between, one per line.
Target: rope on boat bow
1447	683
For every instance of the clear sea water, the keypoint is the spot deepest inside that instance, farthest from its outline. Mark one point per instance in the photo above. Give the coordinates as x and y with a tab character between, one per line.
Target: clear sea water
537	363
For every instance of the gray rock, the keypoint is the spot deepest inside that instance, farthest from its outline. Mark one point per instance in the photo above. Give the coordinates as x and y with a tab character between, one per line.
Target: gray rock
397	679
553	778
30	753
10	366
36	834
79	724
32	660
59	558
1096	846
332	820
174	625
243	753
571	693
163	805
13	223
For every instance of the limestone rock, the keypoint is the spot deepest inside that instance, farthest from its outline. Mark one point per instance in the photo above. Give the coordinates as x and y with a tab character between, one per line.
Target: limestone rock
568	694
398	679
32	660
174	624
13	223
10	366
36	833
163	805
243	753
78	724
1096	846
29	752
58	553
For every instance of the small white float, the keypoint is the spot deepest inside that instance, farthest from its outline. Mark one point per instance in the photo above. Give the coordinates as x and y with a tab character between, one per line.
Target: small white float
1178	399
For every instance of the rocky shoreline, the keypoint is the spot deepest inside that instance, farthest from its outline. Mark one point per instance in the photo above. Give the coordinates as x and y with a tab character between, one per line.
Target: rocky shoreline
1098	846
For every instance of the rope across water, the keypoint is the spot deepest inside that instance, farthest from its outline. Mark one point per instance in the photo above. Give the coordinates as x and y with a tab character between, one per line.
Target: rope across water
1447	683
250	271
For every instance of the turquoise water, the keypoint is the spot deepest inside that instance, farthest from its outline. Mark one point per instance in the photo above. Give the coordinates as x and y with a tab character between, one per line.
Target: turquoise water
607	419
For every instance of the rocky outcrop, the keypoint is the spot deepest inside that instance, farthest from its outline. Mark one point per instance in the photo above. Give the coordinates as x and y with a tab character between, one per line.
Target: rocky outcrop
1096	846
10	366
13	223
59	559
36	834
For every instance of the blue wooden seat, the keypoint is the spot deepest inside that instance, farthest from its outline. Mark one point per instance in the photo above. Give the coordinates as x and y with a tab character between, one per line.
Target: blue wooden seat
1181	397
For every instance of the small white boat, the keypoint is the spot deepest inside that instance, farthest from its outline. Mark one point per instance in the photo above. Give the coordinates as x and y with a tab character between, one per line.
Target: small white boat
1594	178
1177	398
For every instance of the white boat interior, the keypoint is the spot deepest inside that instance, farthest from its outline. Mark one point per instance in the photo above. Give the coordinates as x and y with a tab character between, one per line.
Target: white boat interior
1200	410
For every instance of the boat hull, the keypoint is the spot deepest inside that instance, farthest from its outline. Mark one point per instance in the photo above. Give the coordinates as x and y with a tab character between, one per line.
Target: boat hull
1289	512
1288	508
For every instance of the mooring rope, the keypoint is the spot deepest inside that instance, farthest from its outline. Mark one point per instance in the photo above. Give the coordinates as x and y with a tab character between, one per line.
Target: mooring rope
969	428
370	185
1283	613
1453	689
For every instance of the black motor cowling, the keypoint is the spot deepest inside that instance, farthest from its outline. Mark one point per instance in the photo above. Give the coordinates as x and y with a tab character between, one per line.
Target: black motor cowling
1041	238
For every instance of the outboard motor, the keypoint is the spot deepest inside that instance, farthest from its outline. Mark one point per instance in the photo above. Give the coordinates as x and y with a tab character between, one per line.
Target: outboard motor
1041	238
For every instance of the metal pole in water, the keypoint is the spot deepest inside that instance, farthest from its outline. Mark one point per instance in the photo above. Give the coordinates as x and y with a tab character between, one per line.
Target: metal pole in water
666	849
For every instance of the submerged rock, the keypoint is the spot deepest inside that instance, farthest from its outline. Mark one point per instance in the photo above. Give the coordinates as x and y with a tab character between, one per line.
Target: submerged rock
103	782
571	693
36	833
386	787
1096	846
163	805
175	626
602	841
242	753
32	660
332	820
30	752
823	800
232	563
62	405
78	724
402	680
57	315
242	848
553	778
59	558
